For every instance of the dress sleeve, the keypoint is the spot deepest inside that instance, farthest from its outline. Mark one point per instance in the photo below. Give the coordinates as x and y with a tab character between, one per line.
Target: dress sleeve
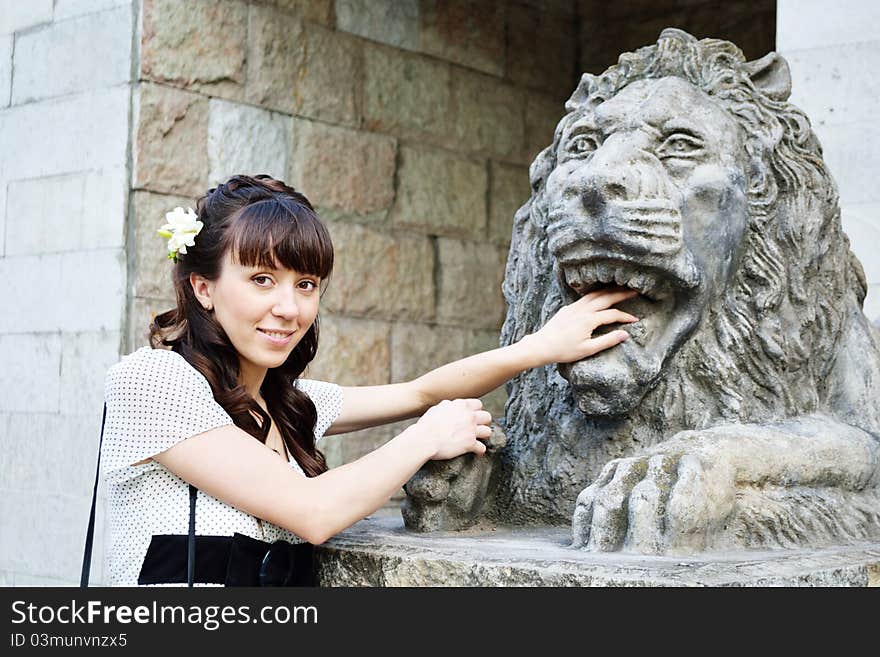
327	398
155	399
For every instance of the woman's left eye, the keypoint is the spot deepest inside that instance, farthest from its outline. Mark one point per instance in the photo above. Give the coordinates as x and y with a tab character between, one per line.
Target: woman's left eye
308	285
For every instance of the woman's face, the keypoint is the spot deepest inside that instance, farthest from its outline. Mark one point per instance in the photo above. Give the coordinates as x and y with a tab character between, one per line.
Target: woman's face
265	312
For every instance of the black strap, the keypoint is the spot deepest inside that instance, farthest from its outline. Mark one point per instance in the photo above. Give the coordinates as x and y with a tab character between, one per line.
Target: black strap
90	532
191	540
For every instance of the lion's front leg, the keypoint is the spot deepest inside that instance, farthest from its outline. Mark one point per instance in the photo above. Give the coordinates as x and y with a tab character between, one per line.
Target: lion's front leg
668	502
808	481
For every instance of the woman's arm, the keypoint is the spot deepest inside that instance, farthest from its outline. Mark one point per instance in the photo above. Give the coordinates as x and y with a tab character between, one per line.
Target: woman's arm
565	338
230	465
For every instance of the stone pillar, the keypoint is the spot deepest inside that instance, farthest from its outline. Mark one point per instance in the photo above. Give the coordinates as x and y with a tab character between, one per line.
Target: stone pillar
834	55
64	131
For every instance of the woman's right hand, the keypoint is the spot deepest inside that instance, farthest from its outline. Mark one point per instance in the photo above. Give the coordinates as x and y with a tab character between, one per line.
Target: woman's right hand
455	427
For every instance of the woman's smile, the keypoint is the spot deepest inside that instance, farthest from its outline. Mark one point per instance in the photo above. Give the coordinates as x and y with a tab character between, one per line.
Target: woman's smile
280	338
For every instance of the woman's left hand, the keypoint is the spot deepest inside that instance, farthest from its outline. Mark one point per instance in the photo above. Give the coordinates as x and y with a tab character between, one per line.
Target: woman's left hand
567	336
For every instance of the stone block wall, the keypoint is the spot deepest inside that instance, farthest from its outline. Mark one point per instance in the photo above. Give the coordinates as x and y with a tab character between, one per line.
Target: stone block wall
65	95
409	124
834	58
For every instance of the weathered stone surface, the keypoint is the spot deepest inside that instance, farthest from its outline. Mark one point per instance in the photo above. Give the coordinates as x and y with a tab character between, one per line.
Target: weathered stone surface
469	291
555	36
245	139
508	190
171	140
152	268
440	193
343	172
488	114
393	22
330	77
465	32
542	114
405	94
352	351
318	11
379	552
94	51
376	274
418	348
470	283
141	313
275	52
349	447
709	429
200	44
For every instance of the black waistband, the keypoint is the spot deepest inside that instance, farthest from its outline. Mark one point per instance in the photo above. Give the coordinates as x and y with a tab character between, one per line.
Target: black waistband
237	560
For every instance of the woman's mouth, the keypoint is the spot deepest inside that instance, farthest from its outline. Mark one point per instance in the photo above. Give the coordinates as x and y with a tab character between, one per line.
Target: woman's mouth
277	337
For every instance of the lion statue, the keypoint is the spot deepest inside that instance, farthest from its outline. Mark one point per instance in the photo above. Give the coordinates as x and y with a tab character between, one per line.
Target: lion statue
745	409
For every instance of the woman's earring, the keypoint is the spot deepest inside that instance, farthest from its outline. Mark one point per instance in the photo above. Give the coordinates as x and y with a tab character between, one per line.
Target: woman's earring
208	307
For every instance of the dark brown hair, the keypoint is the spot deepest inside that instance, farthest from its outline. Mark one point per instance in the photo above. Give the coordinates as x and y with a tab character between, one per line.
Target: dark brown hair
261	222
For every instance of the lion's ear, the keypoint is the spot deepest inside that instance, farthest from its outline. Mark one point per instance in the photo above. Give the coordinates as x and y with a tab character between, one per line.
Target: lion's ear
771	75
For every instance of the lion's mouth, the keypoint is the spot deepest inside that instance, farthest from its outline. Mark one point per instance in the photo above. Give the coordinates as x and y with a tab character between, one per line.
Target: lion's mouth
656	288
587	277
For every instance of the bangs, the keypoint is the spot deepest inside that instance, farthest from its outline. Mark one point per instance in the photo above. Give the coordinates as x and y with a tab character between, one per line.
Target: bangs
281	234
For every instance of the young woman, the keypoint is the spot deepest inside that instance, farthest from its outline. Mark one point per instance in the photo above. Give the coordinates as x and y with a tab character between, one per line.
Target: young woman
224	409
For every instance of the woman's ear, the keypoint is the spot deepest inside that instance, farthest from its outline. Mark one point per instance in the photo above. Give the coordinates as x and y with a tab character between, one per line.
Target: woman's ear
203	289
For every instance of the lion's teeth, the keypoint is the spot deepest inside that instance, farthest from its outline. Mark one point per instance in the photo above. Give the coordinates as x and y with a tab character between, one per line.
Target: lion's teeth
605	273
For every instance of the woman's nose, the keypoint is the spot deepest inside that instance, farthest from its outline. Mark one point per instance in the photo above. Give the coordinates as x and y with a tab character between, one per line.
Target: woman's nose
286	306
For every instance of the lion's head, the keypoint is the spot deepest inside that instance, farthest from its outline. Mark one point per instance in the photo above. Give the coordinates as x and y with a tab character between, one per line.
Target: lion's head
682	172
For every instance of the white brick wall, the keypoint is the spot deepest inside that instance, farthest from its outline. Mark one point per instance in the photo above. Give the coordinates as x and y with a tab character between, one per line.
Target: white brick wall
5	69
29	376
72	8
834	53
88	52
18	15
808	24
64	178
47	141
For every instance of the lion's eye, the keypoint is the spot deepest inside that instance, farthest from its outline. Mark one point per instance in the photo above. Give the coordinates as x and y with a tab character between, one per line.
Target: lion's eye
680	145
582	144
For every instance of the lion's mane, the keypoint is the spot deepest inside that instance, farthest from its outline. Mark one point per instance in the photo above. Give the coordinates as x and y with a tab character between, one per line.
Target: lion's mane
762	351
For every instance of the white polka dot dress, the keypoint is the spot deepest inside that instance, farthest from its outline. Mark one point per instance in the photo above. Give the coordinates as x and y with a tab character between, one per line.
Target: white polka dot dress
155	399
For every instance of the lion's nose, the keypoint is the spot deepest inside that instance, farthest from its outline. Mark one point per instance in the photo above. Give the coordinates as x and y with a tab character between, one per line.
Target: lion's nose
599	192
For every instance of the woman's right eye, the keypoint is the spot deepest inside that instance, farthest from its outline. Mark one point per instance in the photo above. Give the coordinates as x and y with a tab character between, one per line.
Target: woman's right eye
257	279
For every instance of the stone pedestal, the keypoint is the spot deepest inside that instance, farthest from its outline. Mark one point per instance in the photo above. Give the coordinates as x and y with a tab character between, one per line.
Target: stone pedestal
379	551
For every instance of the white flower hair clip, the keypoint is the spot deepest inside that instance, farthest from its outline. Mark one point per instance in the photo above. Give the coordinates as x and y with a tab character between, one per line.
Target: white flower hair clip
180	231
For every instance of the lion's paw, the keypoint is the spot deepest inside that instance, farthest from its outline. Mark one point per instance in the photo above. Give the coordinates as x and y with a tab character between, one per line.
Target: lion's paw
653	504
449	495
